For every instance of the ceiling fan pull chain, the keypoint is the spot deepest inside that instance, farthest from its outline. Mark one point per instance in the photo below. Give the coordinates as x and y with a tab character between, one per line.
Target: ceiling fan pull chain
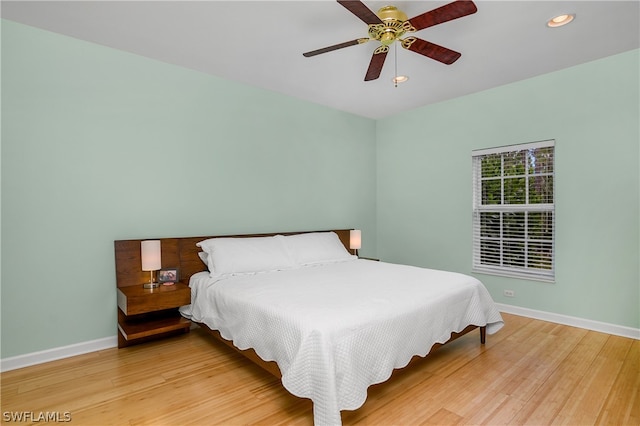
395	57
398	78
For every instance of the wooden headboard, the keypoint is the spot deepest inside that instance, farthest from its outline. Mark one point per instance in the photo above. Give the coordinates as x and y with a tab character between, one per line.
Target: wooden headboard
180	252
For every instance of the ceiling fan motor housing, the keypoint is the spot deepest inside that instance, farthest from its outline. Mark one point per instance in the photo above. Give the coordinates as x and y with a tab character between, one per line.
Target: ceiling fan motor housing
394	25
391	13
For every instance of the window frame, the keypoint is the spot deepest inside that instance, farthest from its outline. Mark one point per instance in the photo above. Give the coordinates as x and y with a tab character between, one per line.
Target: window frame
502	209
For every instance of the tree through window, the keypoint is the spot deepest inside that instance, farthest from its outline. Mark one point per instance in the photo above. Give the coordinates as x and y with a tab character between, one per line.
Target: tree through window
513	210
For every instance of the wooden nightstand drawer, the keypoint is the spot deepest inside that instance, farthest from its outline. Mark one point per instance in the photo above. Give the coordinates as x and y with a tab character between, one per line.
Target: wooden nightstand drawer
134	300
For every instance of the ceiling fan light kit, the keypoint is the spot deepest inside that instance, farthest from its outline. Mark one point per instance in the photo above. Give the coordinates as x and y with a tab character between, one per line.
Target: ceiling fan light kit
560	20
390	24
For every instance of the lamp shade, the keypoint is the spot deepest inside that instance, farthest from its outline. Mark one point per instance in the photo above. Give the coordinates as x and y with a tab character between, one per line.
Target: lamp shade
150	254
355	239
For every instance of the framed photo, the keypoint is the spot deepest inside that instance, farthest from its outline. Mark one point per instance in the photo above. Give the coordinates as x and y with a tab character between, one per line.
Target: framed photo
168	275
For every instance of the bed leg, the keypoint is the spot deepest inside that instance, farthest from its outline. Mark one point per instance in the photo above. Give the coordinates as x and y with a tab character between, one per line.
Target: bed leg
483	334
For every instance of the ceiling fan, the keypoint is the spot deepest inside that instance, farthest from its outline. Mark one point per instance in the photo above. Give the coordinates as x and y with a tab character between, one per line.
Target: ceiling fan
390	24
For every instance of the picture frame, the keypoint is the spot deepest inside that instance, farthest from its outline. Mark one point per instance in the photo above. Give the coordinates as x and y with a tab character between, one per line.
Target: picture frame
168	275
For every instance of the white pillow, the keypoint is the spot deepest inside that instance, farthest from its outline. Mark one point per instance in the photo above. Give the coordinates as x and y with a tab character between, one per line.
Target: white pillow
204	257
316	247
232	256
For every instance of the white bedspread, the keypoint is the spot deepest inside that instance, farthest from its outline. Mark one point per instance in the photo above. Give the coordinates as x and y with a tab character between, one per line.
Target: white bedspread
335	329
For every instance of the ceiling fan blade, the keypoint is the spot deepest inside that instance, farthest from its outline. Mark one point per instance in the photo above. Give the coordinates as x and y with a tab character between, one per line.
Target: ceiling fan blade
375	66
433	51
361	11
335	47
445	13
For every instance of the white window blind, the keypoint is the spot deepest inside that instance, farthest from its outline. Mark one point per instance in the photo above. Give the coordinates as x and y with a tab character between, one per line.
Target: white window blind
514	211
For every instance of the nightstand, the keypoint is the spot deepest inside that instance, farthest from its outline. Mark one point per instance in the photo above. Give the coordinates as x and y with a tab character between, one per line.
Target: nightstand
146	314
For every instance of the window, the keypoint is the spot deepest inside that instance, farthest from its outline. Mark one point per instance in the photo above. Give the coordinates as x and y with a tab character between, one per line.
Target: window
513	211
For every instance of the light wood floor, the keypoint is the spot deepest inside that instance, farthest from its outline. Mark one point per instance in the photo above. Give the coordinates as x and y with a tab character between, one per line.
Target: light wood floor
530	372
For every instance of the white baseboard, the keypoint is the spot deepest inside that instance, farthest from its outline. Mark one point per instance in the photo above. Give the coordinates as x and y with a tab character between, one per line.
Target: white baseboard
603	327
34	358
40	357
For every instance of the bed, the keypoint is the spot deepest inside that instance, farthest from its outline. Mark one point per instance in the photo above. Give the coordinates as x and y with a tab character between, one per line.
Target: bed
328	323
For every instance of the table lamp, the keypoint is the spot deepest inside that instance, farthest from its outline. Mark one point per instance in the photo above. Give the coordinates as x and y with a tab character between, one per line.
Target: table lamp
355	240
151	259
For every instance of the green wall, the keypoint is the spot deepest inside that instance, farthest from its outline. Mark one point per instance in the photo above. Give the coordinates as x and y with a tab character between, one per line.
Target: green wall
100	145
592	111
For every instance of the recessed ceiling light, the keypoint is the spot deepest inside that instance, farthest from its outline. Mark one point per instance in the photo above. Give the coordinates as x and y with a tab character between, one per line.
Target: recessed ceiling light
400	79
560	20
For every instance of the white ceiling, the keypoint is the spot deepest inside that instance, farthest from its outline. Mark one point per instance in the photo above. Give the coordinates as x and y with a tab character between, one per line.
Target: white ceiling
260	43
